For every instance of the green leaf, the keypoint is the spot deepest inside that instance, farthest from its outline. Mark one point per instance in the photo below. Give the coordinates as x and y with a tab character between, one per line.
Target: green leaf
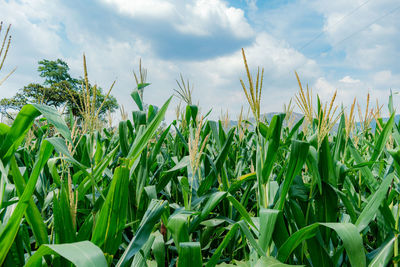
267	225
370	180
17	132
271	262
107	233
32	212
82	254
382	140
158	249
295	128
352	242
373	204
190	255
296	239
64	228
183	163
384	255
274	136
245	230
225	149
10	230
136	97
326	164
123	137
348	232
263	129
178	226
239	207
212	202
150	218
298	155
141	141
54	117
140	258
61	147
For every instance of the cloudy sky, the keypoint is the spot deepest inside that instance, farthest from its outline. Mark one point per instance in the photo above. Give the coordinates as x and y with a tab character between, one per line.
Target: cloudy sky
348	45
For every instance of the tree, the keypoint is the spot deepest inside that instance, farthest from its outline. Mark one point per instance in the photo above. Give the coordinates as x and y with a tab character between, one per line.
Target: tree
59	90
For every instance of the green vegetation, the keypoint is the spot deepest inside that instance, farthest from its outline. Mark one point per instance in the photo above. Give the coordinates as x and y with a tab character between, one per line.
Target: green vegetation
58	90
195	193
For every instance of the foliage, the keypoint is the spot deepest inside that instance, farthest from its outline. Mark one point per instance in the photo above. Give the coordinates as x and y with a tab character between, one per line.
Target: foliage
200	194
59	89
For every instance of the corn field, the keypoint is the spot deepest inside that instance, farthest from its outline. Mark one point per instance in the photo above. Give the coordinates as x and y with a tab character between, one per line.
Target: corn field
200	192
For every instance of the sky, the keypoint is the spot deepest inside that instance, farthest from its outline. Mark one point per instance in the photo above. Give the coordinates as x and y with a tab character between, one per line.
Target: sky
351	46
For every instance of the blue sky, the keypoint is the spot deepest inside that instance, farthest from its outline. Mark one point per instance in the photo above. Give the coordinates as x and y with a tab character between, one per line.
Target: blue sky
356	52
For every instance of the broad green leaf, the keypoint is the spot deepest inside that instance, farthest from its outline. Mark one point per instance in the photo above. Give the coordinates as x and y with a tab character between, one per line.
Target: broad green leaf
263	129
382	140
17	132
32	212
110	223
352	242
298	155
136	97
158	249
273	138
10	230
267	225
141	141
183	163
54	117
123	137
384	255
64	226
190	255
219	162
61	147
150	218
373	204
271	262
140	258
82	254
178	226
212	202
346	231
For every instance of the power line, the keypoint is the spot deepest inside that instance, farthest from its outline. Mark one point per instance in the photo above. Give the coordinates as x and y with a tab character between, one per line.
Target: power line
338	22
365	27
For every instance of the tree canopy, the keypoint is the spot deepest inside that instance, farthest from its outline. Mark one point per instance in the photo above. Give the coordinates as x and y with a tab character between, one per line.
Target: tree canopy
59	90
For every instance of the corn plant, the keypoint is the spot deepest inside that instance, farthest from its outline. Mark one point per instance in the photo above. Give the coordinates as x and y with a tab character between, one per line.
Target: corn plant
320	191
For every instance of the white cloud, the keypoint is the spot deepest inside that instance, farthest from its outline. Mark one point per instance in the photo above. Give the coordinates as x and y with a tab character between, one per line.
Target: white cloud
203	16
348	79
149	9
195	17
385	80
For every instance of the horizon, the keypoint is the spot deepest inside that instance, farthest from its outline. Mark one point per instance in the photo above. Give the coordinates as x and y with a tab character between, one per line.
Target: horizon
348	46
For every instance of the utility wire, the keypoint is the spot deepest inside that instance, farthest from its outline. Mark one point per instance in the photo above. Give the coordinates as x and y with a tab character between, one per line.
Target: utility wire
365	27
397	8
338	22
